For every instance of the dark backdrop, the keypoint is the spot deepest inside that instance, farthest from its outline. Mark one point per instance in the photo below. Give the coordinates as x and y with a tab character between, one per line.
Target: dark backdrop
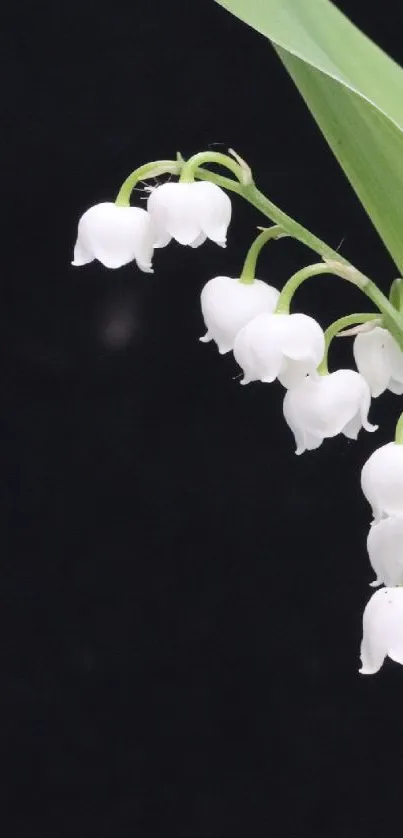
180	596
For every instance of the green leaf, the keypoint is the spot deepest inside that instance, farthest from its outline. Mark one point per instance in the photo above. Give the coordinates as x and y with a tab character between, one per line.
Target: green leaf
355	93
396	293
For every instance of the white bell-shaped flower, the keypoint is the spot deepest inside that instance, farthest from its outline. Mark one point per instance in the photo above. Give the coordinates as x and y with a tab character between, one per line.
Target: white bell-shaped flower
382	630
323	406
189	213
228	304
382	480
380	360
115	236
283	346
385	551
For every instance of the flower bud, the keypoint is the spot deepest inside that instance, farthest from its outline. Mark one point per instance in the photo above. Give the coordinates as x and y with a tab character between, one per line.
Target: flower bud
228	304
115	236
323	406
382	480
382	630
380	360
283	346
189	213
385	551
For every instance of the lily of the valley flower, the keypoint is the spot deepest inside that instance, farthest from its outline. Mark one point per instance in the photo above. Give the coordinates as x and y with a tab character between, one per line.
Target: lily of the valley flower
382	630
228	304
380	360
323	406
189	213
115	236
385	550
283	346
382	480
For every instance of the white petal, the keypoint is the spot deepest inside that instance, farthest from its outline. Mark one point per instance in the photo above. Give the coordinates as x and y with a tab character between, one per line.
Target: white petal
81	255
385	550
365	405
214	208
283	345
328	405
376	583
303	339
201	238
304	440
293	424
300	442
382	480
312	442
291	372
228	305
395	387
360	420
206	338
382	629
161	238
396	363
353	427
396	652
257	348
115	236
371	354
189	212
174	210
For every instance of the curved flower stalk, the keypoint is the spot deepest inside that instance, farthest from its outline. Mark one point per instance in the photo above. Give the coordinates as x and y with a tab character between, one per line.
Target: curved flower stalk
189	213
115	236
382	630
380	360
385	551
321	407
382	480
283	346
228	304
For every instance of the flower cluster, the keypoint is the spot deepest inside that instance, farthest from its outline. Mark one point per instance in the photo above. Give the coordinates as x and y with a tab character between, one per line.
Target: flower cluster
187	212
252	319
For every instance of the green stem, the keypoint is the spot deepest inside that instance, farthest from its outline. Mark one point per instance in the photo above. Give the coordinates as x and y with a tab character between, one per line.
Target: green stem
391	318
191	165
337	265
245	190
270	210
244	186
336	327
399	430
293	228
149	170
284	300
249	268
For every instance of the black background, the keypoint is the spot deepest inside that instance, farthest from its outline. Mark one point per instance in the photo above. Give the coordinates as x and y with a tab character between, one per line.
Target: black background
180	596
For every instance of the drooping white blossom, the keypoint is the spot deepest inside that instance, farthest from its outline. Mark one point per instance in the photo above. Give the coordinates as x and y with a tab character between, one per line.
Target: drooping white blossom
323	406
283	346
382	630
385	551
189	213
382	480
115	236
228	304
380	360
